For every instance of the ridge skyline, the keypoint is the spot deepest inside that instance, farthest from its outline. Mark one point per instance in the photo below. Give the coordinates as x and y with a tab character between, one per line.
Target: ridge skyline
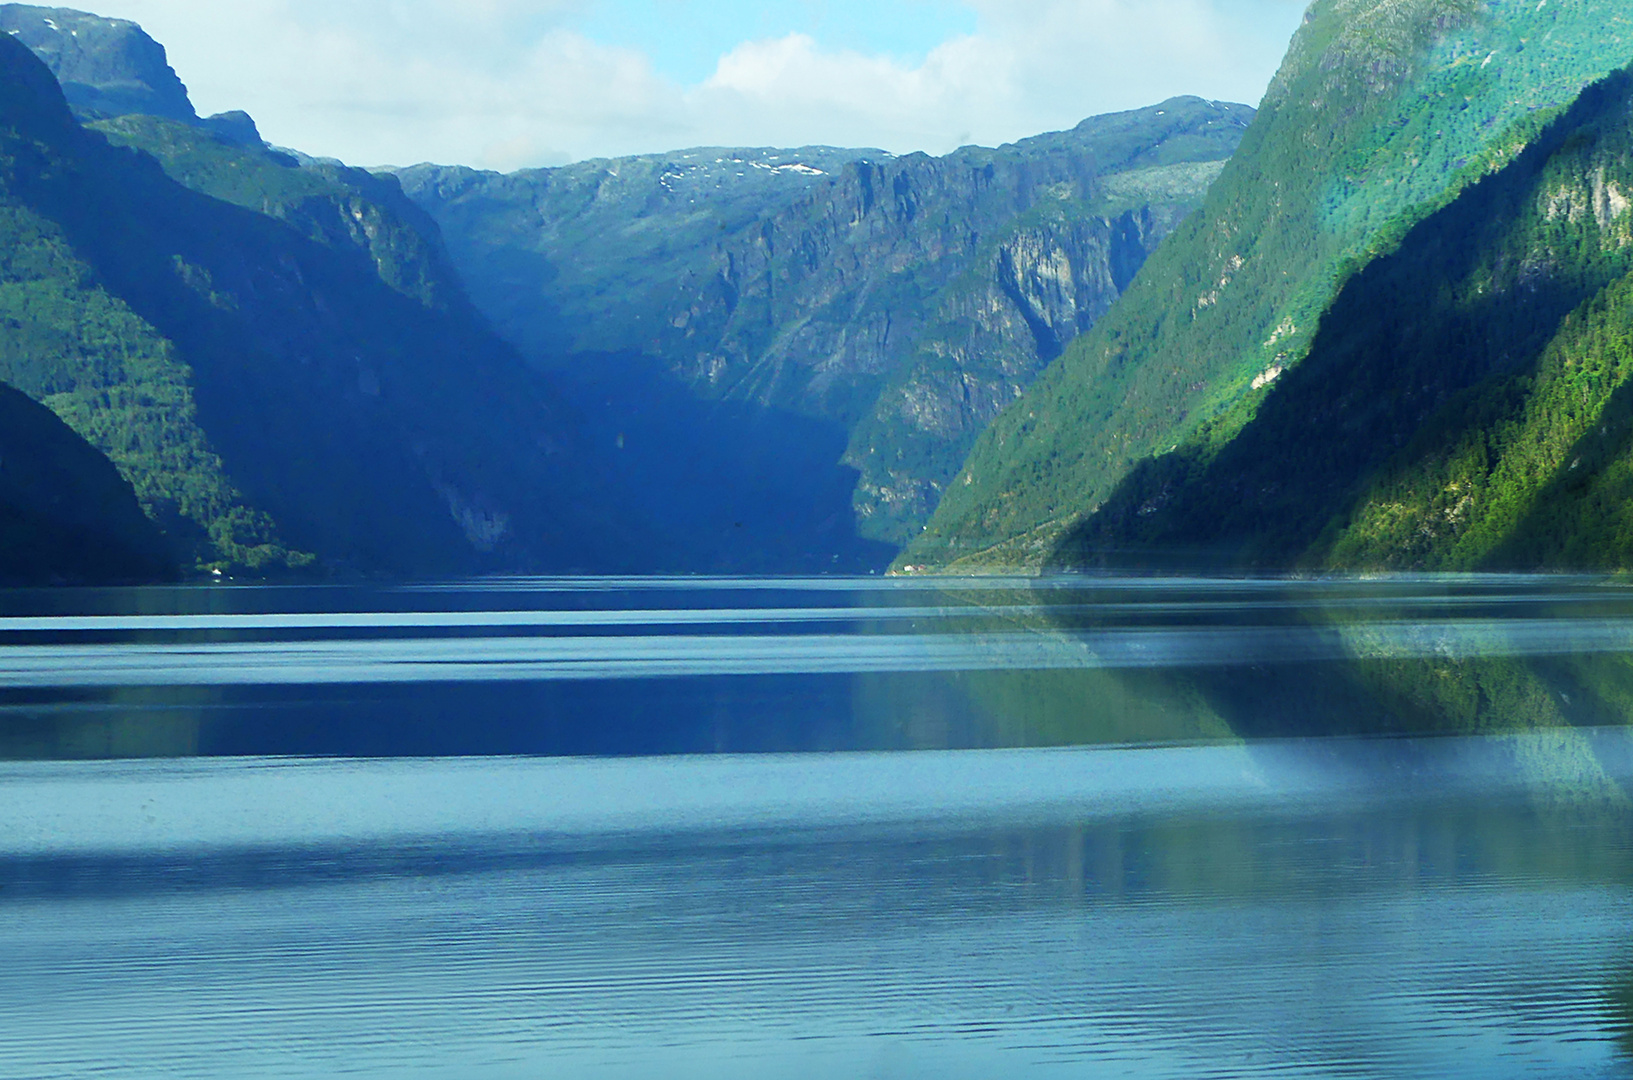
511	87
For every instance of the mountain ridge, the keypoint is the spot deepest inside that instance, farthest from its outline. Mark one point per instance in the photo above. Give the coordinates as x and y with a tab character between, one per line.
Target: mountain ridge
805	281
1496	302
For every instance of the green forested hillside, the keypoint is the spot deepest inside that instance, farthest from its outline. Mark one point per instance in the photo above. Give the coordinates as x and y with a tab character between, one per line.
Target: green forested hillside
1458	408
1383	111
277	385
70	341
1533	472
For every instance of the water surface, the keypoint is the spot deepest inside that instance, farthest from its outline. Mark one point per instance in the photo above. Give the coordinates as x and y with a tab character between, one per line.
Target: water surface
1454	908
686	665
819	828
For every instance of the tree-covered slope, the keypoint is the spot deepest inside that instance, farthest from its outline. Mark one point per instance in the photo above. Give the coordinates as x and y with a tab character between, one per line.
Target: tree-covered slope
272	394
1458	407
1383	111
896	302
66	515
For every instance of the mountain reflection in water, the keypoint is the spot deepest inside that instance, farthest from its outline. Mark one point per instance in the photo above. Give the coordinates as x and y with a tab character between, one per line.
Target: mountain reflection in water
657	666
819	828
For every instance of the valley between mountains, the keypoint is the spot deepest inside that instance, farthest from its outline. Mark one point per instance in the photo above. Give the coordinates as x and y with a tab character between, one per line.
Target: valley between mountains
1376	322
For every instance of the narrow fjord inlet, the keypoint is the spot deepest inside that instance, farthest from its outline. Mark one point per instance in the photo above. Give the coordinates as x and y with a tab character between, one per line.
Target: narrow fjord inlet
912	583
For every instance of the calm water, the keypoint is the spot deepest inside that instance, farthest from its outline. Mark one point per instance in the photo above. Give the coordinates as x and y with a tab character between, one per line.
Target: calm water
827	828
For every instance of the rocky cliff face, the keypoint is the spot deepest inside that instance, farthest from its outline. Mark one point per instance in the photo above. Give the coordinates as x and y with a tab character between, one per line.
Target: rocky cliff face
350	211
107	67
901	301
1048	281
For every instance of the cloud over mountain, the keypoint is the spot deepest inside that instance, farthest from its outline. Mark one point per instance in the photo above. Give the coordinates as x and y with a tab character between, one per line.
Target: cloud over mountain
503	84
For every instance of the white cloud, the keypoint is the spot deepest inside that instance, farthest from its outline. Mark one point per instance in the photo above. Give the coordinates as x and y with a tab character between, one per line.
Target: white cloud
764	88
412	80
507	83
1033	66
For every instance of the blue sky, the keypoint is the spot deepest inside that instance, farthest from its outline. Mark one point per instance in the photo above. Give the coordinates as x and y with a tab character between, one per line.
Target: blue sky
514	83
686	38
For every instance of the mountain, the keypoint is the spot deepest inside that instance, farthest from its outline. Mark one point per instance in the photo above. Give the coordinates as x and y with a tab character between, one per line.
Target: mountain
830	327
291	378
66	515
354	213
766	360
1483	425
110	67
1384	114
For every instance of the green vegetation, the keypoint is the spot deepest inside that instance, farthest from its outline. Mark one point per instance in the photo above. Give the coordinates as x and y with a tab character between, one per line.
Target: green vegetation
118	383
1535	471
1483	425
1381	115
297	377
67	341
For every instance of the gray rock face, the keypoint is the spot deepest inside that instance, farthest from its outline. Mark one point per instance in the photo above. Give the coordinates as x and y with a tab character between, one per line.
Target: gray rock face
902	300
107	67
1047	281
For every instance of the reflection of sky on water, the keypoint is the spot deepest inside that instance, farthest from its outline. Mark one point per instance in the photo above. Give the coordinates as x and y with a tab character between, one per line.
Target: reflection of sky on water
121	807
1366	908
510	659
639	828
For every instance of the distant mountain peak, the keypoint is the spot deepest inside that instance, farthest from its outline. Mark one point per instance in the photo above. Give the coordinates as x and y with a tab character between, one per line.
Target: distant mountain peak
110	68
107	67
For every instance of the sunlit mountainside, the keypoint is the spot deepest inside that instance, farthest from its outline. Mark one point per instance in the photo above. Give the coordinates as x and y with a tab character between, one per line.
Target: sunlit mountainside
1383	114
1462	407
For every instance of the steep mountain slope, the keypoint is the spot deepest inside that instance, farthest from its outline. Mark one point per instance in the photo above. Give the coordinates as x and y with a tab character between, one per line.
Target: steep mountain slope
1383	111
1481	424
1028	291
66	515
272	396
894	303
353	212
